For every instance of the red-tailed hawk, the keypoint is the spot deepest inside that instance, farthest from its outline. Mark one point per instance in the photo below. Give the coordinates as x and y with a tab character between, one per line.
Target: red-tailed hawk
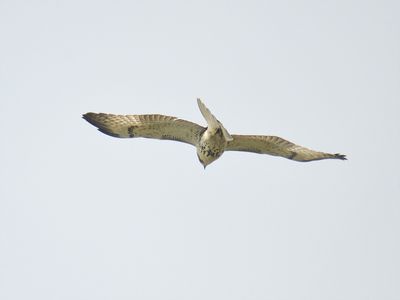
210	141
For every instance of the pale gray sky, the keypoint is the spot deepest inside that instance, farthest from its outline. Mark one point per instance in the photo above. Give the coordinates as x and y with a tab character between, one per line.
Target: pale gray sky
86	216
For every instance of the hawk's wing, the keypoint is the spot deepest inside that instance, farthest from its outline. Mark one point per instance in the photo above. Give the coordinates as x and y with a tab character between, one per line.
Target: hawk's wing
277	146
147	126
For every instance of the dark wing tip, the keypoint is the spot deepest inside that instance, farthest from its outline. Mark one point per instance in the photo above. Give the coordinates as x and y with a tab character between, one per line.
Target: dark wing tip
91	118
87	115
340	156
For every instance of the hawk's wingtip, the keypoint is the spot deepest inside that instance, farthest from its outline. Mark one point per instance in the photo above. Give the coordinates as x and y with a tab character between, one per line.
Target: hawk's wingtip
340	156
87	115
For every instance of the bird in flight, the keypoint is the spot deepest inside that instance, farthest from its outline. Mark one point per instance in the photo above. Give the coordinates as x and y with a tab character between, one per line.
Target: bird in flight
210	141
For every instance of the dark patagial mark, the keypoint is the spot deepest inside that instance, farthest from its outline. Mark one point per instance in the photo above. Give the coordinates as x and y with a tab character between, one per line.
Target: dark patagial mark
131	132
292	155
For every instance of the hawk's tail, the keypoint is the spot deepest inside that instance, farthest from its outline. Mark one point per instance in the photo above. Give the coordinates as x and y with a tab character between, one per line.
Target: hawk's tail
212	121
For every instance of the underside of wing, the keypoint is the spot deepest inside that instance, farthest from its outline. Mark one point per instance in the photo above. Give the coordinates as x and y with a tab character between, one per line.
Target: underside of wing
277	146
147	126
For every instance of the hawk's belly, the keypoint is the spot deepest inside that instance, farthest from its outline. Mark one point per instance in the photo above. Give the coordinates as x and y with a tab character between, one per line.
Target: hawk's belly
211	147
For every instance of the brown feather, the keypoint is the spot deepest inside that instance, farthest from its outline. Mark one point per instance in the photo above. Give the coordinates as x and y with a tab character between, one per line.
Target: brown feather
277	146
147	126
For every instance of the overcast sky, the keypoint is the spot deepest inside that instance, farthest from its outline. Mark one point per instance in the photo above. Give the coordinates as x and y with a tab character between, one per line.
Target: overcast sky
87	216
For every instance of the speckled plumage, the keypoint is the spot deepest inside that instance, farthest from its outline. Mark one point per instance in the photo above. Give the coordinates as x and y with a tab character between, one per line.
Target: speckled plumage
210	141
